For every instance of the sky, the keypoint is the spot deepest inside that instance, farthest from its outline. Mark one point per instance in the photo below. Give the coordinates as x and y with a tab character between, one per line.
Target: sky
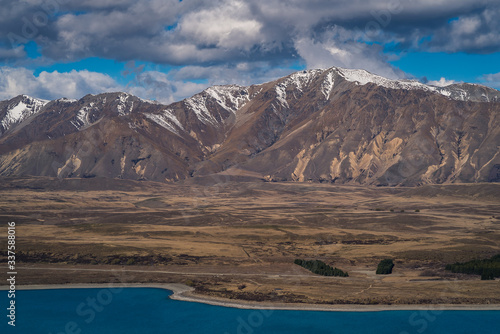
167	50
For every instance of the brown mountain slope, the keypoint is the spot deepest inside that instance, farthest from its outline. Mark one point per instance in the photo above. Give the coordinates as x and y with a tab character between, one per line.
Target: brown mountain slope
393	137
335	125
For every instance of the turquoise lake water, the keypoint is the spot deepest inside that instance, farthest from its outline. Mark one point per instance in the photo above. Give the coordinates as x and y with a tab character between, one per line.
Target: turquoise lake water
149	310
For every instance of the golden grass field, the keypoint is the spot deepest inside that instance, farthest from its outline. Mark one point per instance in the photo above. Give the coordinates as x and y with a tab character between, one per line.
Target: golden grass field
239	239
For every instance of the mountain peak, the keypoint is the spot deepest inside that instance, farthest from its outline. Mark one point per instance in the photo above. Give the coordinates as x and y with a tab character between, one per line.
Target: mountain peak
228	97
460	91
18	109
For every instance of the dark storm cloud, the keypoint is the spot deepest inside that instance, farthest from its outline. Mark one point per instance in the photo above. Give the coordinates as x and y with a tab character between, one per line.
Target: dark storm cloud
197	32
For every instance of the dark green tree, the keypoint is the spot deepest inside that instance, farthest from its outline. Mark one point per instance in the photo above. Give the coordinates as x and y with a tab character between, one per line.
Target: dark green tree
385	267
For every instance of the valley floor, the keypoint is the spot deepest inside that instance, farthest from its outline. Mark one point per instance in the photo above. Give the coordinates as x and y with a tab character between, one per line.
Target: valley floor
238	241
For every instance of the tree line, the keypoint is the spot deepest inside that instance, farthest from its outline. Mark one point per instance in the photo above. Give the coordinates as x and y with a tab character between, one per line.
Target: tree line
487	268
320	268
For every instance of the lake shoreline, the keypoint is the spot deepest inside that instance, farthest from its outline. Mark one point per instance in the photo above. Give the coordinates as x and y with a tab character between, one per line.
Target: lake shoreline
183	292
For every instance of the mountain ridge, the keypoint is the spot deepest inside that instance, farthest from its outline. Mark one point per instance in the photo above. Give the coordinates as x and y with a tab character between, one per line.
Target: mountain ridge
333	125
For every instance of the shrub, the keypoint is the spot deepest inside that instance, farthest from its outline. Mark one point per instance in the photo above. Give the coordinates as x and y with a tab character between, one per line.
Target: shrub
385	267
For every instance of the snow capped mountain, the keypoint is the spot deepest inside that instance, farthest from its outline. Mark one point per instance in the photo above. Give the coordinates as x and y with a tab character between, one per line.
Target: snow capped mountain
460	92
470	92
231	98
333	125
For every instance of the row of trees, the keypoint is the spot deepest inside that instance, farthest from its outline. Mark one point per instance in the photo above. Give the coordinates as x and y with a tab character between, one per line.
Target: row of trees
320	268
487	268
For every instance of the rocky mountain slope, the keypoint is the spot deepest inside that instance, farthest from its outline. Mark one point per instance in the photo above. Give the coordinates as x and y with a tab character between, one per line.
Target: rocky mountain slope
334	125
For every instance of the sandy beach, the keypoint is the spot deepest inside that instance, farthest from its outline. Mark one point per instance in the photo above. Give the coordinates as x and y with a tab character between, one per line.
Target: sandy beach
183	292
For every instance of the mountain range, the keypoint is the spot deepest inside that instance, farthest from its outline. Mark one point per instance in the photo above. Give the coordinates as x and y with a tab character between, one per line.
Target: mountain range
334	125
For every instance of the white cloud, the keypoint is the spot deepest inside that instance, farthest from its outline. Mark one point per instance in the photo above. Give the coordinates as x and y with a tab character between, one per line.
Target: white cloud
232	41
153	85
443	82
158	86
228	25
189	80
12	53
492	80
244	73
199	32
466	25
477	32
51	85
339	47
75	84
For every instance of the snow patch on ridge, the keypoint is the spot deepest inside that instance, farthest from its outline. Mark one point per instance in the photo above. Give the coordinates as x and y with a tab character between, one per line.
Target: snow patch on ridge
18	112
230	98
148	101
82	117
122	104
363	77
303	78
453	91
65	100
327	85
299	80
198	106
281	94
166	120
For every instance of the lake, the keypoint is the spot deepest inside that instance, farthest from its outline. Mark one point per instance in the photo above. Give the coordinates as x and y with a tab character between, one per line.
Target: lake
149	310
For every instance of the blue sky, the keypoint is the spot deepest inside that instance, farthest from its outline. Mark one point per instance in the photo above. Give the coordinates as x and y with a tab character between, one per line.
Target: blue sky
167	49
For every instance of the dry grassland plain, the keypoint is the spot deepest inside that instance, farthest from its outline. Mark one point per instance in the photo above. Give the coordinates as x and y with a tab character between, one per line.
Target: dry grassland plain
238	240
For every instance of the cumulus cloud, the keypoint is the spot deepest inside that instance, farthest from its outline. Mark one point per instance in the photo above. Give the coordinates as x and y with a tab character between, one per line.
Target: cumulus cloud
158	86
200	32
244	73
474	33
235	41
492	80
443	82
12	53
189	80
151	85
51	85
229	26
339	47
